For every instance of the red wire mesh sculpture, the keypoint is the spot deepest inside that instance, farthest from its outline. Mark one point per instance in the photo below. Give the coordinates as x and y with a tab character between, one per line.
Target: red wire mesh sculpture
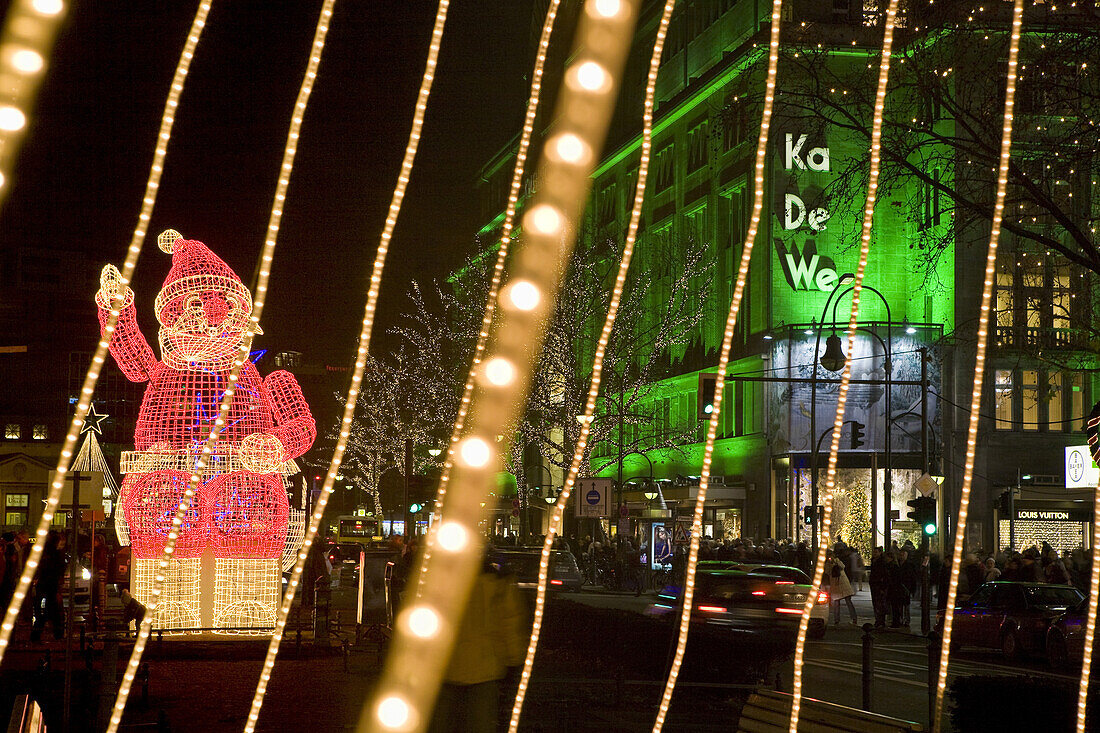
240	514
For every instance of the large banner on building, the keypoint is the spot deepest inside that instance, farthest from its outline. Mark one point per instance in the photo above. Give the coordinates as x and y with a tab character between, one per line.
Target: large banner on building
791	404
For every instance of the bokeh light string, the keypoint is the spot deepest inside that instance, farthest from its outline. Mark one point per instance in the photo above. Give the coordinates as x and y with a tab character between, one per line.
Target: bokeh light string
723	364
374	287
874	168
497	272
26	42
425	630
267	256
1090	624
95	368
568	146
982	340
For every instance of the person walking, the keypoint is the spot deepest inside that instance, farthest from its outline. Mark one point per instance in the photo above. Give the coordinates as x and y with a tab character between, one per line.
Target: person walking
897	594
879	582
840	589
47	588
489	647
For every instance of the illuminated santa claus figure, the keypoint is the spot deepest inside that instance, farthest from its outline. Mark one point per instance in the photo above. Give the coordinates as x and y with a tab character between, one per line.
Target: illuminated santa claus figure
225	571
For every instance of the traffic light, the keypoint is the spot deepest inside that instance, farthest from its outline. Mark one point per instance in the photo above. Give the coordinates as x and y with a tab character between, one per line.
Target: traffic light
857	434
415	508
924	514
707	383
808	515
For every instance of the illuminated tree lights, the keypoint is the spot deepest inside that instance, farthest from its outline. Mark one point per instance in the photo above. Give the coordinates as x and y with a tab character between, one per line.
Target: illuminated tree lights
240	512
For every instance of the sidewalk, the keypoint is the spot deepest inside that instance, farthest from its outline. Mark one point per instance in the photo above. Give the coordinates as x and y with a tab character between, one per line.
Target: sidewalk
866	612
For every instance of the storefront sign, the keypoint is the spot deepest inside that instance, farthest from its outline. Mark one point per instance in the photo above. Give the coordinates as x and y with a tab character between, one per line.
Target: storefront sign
1081	470
1053	515
803	267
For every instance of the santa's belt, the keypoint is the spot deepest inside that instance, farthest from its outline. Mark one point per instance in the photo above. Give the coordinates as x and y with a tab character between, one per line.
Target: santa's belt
138	461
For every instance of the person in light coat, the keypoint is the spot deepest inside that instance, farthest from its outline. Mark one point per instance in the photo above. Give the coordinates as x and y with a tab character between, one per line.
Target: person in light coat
840	588
490	646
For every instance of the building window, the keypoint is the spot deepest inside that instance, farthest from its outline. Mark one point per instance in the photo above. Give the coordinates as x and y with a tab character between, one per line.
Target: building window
663	169
734	119
1040	303
17	510
39	432
1029	398
697	147
607	204
1076	403
12	431
930	201
1002	394
1055	400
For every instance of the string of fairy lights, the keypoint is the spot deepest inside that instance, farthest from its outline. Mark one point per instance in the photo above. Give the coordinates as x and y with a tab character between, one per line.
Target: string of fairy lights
874	168
723	363
98	358
561	147
25	44
424	632
1090	623
979	375
267	255
498	270
386	236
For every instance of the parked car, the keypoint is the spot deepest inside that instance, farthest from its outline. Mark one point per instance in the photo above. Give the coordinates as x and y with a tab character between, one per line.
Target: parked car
1065	642
524	564
763	599
1011	616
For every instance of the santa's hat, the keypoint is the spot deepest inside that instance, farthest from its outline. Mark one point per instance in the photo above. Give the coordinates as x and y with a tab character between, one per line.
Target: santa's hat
196	268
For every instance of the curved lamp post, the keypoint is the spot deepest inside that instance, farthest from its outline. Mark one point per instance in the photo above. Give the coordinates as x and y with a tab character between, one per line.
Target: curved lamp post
834	360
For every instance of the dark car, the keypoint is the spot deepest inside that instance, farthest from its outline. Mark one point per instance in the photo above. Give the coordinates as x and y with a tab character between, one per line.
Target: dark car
524	564
344	558
783	575
1065	643
754	601
1010	616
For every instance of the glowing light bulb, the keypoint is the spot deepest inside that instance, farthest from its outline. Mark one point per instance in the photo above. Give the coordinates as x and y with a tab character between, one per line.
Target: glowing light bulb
544	219
47	7
523	294
499	371
12	119
27	61
568	148
591	77
394	712
474	452
451	536
607	8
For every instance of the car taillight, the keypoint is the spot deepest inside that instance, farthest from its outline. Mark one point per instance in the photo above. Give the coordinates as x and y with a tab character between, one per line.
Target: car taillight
759	593
789	610
712	609
784	582
822	597
555	582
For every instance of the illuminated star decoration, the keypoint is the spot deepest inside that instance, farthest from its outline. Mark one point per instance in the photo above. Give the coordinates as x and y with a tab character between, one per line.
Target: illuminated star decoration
93	421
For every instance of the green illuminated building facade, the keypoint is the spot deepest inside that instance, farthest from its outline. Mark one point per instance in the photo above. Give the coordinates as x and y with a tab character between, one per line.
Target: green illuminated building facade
925	268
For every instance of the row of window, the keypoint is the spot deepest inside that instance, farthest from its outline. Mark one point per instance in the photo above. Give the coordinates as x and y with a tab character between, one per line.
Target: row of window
14	431
1031	399
17	510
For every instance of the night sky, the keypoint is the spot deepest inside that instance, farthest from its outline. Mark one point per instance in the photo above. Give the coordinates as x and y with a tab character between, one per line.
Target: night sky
80	177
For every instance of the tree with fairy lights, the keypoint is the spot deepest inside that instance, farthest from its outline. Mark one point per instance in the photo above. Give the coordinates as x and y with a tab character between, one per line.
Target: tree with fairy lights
664	303
856	529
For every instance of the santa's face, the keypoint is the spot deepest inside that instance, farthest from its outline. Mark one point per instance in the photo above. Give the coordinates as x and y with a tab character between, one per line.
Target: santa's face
203	326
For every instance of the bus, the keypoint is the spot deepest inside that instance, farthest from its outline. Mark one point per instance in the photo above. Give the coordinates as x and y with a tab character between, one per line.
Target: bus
360	530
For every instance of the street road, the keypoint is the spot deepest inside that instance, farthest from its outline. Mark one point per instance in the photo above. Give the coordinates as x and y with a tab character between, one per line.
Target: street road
833	665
